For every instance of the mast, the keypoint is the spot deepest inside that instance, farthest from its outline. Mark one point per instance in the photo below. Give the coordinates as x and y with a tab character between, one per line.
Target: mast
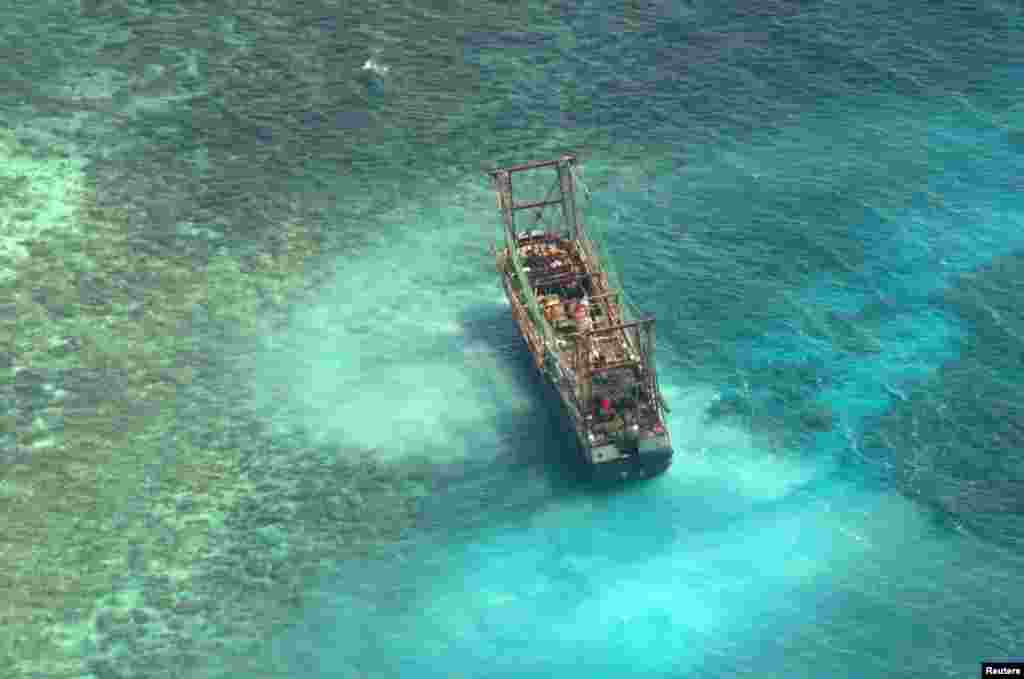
503	182
568	190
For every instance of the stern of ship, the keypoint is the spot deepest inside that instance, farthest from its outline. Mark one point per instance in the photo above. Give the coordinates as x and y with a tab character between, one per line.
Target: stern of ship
644	458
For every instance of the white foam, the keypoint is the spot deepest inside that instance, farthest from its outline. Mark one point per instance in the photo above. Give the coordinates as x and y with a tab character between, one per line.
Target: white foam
588	583
723	452
376	67
384	358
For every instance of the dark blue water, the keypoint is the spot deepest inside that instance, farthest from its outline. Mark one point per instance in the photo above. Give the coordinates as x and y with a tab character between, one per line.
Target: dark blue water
820	201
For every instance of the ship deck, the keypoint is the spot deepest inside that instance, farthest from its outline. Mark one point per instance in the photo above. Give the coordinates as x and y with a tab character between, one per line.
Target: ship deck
561	278
558	272
598	358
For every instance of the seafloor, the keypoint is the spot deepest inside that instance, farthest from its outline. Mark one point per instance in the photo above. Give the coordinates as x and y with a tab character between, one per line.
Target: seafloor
263	411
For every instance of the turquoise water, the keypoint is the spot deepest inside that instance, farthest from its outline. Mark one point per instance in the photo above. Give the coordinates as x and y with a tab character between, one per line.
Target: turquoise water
820	201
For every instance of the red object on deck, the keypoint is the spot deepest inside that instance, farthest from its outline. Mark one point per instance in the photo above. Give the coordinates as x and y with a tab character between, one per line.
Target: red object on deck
606	405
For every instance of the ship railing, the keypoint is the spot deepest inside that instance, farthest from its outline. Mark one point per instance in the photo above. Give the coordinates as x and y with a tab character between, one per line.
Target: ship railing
597	261
582	345
556	279
536	343
608	367
519	274
610	329
605	295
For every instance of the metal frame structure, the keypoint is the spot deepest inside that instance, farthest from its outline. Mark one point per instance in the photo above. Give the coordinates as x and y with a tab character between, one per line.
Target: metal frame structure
563	167
624	342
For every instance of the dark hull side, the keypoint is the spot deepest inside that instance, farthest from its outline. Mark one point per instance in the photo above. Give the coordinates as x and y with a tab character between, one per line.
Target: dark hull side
642	465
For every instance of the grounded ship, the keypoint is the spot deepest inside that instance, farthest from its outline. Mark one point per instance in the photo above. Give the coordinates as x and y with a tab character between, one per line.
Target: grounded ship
596	356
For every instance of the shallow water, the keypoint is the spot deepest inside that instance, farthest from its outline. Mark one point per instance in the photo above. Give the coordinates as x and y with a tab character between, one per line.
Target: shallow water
819	201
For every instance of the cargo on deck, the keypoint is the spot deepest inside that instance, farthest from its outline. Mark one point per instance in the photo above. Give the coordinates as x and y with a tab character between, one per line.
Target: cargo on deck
595	354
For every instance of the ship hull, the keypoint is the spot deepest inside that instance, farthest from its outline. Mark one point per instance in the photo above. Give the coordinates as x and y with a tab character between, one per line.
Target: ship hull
652	457
592	352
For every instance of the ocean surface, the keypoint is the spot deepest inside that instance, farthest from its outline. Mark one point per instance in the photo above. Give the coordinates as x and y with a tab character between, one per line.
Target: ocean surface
255	233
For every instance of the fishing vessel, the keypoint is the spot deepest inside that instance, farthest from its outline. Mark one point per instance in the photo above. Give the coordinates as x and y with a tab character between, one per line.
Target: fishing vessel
590	348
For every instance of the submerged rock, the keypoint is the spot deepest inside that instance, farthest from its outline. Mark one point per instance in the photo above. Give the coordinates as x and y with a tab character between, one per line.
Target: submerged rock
140	616
104	621
956	441
1016	139
818	419
728	405
29	384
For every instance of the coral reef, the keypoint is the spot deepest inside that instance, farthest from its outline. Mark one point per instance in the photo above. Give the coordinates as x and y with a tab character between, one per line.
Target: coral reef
966	460
153	232
36	195
142	508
